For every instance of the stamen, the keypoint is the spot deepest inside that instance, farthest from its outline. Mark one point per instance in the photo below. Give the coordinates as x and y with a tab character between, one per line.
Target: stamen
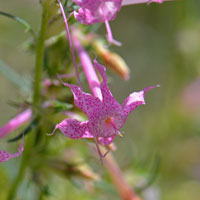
110	36
53	131
108	120
120	134
70	42
109	31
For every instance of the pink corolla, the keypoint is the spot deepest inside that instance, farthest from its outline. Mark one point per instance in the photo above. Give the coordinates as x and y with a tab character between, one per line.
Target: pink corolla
4	155
95	11
16	122
105	116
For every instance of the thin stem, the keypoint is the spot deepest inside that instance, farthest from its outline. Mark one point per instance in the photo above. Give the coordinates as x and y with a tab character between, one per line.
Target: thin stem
110	36
70	42
13	190
38	73
109	31
123	188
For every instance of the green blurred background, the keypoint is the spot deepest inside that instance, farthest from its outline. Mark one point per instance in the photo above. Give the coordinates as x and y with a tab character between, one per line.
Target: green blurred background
161	45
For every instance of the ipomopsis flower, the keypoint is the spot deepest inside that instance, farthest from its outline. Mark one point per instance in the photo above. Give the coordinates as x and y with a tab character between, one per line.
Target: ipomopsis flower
105	116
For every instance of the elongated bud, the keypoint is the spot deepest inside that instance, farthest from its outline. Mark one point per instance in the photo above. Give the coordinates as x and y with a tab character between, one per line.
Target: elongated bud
112	60
16	122
87	65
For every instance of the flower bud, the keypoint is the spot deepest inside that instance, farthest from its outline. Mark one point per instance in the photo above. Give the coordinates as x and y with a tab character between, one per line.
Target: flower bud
112	60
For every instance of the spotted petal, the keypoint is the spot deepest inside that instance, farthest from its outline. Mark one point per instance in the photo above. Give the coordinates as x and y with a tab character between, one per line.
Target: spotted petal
108	99
74	129
111	8
134	100
86	102
4	155
85	16
89	4
97	11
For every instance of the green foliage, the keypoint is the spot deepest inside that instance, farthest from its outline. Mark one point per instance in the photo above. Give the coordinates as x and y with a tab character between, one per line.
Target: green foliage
161	45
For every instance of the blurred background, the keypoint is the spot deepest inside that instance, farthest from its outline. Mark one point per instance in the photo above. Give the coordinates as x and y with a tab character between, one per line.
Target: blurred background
161	144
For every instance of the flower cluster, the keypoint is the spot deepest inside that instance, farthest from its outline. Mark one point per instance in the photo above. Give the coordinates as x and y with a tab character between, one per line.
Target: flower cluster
105	115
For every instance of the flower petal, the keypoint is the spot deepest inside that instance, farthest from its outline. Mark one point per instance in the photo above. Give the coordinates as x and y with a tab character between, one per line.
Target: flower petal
110	104
86	102
85	16
91	5
110	8
97	11
4	155
108	99
134	100
74	129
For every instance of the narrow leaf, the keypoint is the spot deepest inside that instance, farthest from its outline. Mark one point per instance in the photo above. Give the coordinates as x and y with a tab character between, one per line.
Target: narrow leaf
21	21
15	78
28	129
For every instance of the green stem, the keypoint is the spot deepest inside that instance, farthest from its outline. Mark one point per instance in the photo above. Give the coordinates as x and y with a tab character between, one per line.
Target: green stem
20	175
40	54
36	97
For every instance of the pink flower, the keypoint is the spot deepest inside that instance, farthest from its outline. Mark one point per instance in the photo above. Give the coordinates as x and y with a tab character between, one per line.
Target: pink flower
92	12
95	11
4	155
16	122
105	117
